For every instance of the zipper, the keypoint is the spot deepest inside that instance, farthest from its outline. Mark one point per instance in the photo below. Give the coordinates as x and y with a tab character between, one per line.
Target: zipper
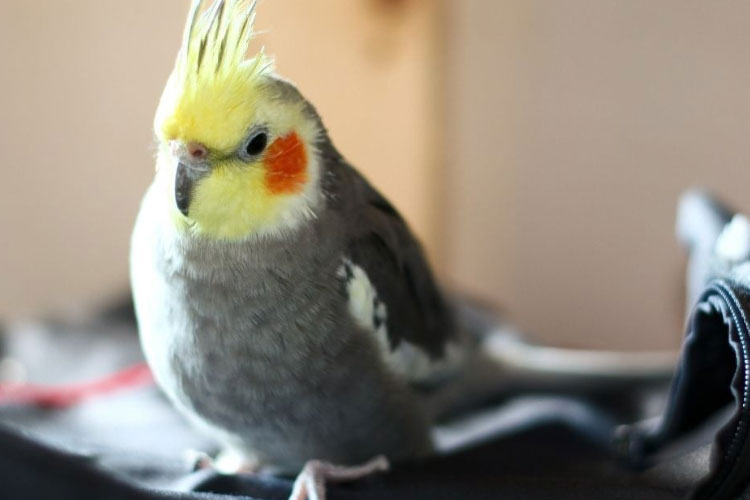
735	467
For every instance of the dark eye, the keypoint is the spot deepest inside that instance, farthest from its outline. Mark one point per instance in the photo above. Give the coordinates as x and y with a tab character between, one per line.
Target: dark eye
257	144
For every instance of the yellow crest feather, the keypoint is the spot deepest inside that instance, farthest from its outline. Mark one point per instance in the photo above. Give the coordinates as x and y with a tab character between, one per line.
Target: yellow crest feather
217	41
212	81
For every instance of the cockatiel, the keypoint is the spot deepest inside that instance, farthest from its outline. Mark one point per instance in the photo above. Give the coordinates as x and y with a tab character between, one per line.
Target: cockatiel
283	304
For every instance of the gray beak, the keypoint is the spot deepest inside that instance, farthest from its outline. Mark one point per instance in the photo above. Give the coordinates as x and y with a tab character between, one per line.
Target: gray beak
185	178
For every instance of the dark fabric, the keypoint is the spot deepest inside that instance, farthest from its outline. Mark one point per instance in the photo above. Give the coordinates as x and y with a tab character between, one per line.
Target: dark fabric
552	462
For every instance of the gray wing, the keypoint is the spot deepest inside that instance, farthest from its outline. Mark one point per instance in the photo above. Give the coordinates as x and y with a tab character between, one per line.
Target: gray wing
380	242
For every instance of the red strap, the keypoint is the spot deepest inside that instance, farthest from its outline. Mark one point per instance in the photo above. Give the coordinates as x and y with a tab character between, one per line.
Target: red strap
68	395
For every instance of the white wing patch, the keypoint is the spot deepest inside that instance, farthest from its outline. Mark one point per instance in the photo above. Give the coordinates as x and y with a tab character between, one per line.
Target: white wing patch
371	314
364	305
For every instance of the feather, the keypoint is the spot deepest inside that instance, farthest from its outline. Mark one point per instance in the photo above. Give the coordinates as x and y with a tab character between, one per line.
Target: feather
189	29
220	34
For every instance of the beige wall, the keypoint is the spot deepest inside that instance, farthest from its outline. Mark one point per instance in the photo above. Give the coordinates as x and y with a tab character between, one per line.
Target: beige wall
549	185
575	126
80	81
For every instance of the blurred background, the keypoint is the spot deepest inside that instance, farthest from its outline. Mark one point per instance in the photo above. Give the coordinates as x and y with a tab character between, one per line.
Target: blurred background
538	148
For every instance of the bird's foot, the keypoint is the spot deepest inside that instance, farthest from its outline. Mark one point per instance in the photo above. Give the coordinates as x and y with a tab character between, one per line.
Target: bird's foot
311	482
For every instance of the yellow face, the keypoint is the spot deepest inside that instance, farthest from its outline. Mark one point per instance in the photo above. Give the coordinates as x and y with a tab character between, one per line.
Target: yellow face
236	148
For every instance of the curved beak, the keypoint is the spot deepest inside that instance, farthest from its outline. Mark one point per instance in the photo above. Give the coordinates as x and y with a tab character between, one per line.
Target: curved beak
185	178
191	167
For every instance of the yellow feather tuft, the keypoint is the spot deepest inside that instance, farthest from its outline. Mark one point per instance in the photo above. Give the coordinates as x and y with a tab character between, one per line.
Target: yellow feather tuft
217	42
211	88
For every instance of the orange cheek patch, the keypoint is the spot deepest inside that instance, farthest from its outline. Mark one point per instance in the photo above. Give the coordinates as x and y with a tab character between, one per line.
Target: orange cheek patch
286	165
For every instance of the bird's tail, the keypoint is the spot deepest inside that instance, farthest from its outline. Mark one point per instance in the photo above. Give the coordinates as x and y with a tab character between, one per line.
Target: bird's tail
501	342
503	365
508	384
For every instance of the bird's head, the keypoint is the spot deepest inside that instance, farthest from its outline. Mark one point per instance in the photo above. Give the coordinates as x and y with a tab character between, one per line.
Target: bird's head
237	145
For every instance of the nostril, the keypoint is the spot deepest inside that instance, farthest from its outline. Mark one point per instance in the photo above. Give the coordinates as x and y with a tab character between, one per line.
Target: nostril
197	151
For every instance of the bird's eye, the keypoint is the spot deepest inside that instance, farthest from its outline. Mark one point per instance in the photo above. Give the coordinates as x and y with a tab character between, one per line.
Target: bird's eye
257	144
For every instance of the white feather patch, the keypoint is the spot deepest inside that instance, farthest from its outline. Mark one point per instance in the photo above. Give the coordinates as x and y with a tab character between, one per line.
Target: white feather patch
370	313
